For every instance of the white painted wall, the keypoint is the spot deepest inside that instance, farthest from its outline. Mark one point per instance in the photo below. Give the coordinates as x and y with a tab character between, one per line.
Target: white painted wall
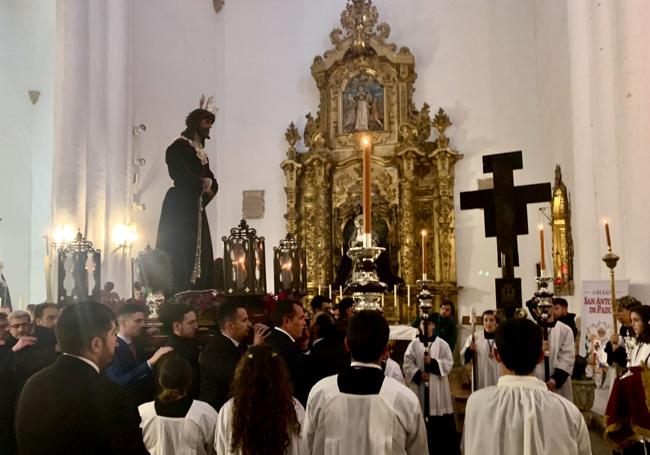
27	53
512	75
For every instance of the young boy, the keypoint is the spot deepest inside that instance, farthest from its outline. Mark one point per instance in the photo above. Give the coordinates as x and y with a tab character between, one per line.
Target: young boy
427	363
480	351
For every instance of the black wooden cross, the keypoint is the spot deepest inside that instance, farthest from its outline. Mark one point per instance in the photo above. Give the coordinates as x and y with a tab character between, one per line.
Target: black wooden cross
505	217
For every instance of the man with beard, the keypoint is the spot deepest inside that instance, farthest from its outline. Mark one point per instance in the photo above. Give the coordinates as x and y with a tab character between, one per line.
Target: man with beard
183	232
220	357
69	407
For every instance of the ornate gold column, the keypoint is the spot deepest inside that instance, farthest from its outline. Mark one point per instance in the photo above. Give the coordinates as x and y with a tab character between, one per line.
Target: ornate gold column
444	159
292	170
317	208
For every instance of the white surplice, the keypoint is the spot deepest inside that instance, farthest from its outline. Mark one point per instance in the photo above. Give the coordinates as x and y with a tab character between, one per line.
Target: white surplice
562	355
439	391
640	353
223	434
189	435
393	370
520	416
486	363
388	423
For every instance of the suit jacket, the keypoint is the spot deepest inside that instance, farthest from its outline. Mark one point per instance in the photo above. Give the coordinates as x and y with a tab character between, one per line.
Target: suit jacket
33	359
297	363
134	374
68	408
218	362
328	357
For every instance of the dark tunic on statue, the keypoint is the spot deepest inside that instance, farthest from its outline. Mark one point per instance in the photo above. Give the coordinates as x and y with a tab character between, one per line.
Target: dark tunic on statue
69	408
178	228
219	360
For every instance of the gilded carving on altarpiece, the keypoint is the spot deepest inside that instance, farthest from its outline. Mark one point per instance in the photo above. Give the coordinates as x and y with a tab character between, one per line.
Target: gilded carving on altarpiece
366	85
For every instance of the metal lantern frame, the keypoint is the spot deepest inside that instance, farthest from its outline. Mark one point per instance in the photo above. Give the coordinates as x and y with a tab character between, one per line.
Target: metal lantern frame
288	257
244	262
77	253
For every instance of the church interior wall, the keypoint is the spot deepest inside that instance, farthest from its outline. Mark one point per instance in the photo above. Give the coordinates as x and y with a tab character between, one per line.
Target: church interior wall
511	75
26	130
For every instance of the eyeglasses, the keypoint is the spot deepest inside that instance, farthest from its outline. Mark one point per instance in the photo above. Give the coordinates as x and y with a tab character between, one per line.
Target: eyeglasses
25	325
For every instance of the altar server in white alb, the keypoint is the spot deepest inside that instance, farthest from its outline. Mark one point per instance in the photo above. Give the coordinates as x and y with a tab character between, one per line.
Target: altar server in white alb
562	354
520	415
479	349
360	410
390	367
427	363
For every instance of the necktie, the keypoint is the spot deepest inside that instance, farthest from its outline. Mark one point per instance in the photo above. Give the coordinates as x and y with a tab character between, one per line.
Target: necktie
133	351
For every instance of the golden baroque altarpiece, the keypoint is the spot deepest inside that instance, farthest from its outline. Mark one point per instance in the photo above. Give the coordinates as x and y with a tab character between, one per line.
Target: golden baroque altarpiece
366	85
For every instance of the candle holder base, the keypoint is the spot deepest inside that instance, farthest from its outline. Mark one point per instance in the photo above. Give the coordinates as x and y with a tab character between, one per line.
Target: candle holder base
364	284
425	297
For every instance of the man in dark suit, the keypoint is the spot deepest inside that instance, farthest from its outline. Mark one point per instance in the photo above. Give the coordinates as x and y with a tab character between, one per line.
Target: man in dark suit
69	407
129	368
289	320
328	355
179	320
221	356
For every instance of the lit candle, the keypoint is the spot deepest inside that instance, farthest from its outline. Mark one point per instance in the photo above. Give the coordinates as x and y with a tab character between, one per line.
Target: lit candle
541	247
395	295
367	203
318	290
609	239
341	292
408	295
330	292
424	254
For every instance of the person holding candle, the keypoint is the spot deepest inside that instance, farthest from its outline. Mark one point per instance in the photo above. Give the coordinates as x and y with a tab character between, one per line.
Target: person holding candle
617	348
479	349
560	347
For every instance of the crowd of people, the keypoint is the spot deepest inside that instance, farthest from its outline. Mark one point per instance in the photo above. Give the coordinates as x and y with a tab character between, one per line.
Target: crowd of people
78	381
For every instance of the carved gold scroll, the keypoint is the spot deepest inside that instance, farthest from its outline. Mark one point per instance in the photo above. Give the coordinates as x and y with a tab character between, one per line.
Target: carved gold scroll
366	84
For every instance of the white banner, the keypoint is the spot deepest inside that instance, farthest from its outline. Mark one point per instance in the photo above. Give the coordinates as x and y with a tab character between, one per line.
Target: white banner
596	316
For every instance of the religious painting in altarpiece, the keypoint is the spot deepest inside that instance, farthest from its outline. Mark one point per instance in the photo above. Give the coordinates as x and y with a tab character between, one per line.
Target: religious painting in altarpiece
366	86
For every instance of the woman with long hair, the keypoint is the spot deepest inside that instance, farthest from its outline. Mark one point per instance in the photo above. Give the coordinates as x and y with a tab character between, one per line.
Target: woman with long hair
262	417
641	325
174	422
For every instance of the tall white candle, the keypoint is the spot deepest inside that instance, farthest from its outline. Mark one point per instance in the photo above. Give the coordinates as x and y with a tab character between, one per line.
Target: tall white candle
330	291
395	295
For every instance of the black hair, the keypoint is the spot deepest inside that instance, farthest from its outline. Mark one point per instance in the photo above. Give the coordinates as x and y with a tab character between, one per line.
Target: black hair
317	302
175	375
132	308
327	326
627	302
173	312
41	307
560	301
367	336
519	344
644	313
284	309
450	304
345	304
193	119
80	322
227	312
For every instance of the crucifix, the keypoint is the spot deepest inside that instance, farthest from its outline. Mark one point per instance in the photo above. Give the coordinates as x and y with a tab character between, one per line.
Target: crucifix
505	217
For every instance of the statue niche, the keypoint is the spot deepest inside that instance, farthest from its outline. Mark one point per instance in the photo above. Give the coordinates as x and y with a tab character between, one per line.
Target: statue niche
366	86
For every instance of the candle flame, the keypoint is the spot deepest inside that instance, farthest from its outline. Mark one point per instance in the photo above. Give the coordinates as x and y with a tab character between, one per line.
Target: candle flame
605	221
540	227
424	232
365	140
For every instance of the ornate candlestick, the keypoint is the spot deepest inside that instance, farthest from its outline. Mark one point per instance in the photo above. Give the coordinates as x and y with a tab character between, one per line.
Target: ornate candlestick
544	302
610	260
364	282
